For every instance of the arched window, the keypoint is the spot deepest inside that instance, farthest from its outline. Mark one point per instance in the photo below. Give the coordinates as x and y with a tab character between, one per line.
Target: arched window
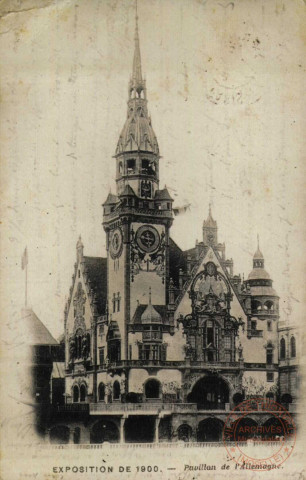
292	347
269	306
282	349
116	390
269	354
101	392
152	389
76	394
76	435
82	393
88	344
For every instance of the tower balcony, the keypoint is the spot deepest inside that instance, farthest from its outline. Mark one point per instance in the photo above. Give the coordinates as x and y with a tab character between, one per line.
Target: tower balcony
149	212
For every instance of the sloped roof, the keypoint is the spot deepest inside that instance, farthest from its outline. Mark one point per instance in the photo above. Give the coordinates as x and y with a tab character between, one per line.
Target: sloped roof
150	315
128	192
36	332
258	255
96	268
210	222
259	274
160	309
263	291
137	134
111	199
163	195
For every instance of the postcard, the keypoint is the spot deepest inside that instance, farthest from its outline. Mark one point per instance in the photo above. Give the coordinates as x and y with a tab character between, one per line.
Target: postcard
153	239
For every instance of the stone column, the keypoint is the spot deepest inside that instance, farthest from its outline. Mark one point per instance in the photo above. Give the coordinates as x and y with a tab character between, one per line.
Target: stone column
71	435
122	434
156	433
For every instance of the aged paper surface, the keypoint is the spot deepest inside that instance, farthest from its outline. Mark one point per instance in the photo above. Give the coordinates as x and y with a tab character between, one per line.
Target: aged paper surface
224	86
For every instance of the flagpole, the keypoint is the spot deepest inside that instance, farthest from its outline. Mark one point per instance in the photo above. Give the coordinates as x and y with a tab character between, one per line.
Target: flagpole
26	285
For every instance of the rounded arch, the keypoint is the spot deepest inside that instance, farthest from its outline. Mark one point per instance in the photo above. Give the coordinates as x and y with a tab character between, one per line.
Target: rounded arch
77	435
276	429
116	390
101	392
237	398
59	434
256	305
104	431
286	398
83	393
210	393
292	347
184	432
244	429
269	305
282	349
76	393
210	430
139	429
152	388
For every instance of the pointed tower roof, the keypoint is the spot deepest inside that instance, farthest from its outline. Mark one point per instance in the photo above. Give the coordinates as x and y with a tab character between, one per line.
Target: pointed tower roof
258	272
111	199
163	194
210	222
128	192
150	315
34	331
137	133
258	255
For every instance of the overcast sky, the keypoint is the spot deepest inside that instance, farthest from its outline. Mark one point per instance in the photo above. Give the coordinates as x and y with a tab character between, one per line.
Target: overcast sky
224	84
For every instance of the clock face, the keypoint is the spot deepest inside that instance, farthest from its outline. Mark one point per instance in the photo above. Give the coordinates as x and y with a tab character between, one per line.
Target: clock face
115	244
147	238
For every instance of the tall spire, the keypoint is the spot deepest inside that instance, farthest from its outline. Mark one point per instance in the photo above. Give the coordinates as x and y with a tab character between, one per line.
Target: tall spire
137	133
137	76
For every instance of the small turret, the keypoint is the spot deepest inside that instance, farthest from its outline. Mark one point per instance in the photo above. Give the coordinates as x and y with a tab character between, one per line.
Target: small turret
264	298
210	230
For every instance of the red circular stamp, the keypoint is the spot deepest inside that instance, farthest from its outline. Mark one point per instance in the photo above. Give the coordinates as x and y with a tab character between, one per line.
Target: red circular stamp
259	434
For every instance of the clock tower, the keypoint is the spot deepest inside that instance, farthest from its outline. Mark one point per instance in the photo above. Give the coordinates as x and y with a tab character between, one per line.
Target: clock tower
136	220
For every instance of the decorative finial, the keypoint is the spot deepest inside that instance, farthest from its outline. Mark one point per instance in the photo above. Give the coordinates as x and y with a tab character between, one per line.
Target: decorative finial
257	241
79	247
209	209
150	295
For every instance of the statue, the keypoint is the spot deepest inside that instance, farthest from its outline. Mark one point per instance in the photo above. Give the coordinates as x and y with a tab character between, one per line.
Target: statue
85	346
72	350
240	351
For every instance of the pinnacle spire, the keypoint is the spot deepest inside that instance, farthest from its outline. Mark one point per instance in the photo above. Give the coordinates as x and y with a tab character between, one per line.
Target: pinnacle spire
137	75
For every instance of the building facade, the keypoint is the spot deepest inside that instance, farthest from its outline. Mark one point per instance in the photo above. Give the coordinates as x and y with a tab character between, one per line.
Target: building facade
161	343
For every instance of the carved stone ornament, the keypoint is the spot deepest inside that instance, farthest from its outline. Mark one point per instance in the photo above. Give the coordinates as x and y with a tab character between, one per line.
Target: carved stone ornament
78	303
79	300
148	251
79	324
210	292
